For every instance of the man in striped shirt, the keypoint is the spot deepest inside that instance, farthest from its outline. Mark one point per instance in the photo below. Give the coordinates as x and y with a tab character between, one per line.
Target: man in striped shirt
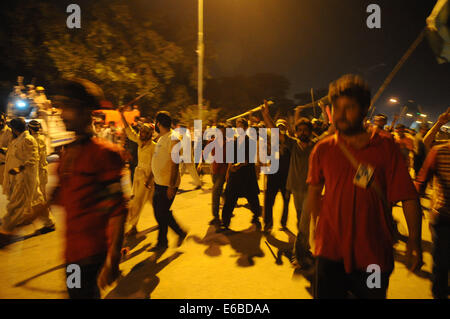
437	165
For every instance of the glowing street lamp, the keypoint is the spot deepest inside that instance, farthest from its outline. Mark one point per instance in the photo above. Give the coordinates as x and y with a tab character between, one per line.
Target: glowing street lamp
393	100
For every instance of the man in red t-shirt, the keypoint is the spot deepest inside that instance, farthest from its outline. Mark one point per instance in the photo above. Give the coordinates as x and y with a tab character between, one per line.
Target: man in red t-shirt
363	174
90	190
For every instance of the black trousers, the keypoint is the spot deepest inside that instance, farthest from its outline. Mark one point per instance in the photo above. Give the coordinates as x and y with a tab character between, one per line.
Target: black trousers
163	214
275	184
89	273
332	282
231	199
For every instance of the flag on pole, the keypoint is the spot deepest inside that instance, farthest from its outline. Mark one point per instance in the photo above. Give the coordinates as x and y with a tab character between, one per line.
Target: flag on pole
438	30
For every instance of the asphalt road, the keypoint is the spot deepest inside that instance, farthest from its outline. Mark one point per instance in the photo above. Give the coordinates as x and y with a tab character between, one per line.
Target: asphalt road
208	265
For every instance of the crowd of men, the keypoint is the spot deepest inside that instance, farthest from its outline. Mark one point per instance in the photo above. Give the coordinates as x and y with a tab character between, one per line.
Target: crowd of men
344	174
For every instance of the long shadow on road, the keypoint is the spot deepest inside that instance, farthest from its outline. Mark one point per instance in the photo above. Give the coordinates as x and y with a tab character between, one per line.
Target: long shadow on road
246	243
141	281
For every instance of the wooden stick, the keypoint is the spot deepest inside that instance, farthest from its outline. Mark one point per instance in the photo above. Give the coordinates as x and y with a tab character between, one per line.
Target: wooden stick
256	109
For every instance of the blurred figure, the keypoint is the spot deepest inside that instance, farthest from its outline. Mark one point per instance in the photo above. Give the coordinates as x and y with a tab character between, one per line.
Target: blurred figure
354	216
405	142
419	148
436	165
21	181
90	190
277	182
141	194
218	174
35	131
6	136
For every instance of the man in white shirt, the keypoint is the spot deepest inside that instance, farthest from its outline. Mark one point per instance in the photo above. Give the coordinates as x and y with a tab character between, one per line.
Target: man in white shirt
141	194
165	178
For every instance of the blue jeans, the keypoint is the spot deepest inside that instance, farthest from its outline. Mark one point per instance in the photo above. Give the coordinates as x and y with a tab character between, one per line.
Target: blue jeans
440	232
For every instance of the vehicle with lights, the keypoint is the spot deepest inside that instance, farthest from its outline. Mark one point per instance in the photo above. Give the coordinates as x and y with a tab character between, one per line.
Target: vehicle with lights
34	105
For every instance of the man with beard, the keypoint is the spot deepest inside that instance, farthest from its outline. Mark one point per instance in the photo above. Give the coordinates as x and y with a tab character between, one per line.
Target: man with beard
21	181
300	148
141	194
354	227
241	180
89	174
165	178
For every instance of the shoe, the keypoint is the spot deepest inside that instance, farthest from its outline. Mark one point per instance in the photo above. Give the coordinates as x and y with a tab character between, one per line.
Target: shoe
181	239
132	232
45	230
257	223
215	221
158	248
223	229
267	229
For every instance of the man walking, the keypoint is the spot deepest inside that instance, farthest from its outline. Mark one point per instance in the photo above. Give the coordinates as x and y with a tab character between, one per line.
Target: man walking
354	227
241	180
141	194
21	181
90	173
300	149
165	178
277	182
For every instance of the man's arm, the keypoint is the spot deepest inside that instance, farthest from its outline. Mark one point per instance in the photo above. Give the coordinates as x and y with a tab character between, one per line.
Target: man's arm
431	135
110	270
413	216
174	172
313	200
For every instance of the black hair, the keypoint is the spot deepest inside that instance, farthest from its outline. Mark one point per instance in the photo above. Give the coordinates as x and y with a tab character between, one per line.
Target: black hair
304	121
350	85
163	117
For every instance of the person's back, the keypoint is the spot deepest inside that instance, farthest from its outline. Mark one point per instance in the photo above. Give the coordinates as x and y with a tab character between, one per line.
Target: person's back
84	182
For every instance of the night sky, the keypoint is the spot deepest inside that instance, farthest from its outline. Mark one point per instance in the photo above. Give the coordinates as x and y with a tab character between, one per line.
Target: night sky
312	42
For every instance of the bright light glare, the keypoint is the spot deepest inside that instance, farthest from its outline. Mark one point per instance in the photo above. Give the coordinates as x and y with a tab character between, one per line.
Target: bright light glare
393	100
409	114
21	104
423	115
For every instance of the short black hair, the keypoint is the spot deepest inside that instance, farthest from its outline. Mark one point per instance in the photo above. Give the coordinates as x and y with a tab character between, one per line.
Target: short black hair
243	121
350	85
18	124
78	93
164	118
303	121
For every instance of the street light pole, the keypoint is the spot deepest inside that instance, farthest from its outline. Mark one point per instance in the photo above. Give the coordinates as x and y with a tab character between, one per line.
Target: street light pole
200	52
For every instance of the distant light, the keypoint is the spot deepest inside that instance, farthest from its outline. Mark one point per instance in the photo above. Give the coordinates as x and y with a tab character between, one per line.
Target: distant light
423	115
21	104
430	122
418	122
393	100
409	114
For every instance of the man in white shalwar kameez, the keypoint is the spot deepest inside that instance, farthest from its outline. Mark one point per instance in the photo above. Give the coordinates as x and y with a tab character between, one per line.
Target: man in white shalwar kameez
6	137
141	194
21	181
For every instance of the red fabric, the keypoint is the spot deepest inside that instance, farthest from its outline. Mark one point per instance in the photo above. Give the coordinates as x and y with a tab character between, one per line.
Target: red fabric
89	177
353	227
219	168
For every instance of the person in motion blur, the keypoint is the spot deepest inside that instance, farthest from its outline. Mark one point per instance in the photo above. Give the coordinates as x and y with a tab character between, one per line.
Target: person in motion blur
354	217
90	173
